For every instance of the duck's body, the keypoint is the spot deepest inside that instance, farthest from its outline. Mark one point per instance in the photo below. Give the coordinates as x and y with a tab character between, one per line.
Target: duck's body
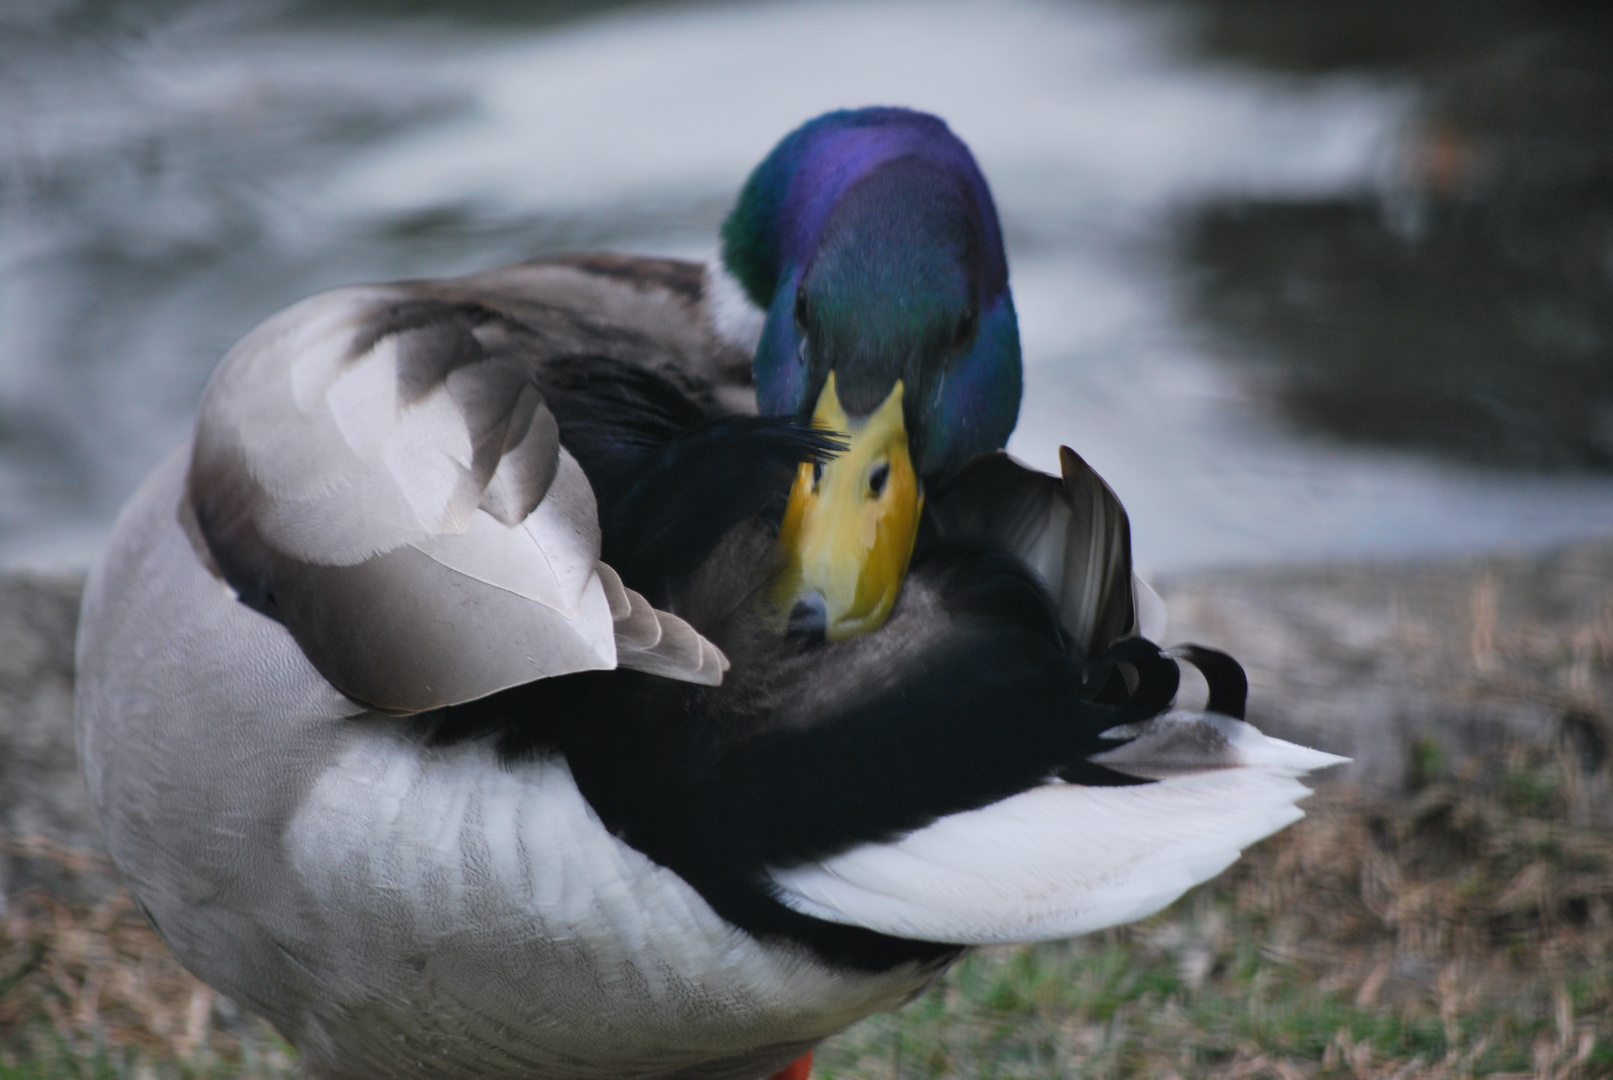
398	750
398	909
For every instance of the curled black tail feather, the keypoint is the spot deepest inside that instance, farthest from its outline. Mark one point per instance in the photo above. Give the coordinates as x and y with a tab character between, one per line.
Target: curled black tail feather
1229	686
1156	679
1149	691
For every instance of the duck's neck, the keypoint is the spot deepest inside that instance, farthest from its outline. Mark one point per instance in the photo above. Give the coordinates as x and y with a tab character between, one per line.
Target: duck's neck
735	318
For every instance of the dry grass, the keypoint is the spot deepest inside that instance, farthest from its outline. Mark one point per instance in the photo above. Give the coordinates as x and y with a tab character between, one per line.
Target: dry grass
1464	929
94	993
1451	935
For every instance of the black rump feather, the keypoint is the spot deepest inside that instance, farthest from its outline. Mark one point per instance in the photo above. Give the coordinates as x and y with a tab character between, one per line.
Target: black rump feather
699	486
968	695
670	475
697	780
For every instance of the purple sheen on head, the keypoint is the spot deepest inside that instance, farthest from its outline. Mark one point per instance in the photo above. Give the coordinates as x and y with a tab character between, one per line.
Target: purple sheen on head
837	157
781	213
881	297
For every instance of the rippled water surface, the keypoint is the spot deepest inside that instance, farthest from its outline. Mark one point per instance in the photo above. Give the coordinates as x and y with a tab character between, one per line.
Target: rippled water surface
171	174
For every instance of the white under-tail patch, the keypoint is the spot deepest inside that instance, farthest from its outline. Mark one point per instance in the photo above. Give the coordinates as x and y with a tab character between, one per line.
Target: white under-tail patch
1063	859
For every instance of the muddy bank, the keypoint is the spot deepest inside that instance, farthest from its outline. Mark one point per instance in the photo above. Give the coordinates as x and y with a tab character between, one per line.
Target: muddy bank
1421	672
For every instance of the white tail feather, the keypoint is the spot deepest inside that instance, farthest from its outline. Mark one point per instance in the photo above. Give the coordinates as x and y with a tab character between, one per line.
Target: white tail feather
1063	859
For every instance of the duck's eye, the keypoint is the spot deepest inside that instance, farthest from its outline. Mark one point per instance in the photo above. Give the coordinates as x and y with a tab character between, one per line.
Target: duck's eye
877	478
801	311
965	330
817	475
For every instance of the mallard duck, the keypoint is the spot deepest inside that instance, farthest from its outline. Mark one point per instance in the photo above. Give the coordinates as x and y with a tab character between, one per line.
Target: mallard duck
484	691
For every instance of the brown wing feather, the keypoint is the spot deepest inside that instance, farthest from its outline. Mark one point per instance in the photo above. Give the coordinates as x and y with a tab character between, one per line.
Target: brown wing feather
377	469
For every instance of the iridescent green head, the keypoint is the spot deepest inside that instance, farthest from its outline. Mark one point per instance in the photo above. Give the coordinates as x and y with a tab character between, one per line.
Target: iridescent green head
870	241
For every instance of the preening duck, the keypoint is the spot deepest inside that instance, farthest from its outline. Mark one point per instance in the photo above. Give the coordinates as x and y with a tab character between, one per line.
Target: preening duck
484	691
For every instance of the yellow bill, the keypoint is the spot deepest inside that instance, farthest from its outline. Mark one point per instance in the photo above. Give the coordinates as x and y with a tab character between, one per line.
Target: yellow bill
849	528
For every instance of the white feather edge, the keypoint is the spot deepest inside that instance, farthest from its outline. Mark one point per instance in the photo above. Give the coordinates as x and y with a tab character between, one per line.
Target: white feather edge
1152	615
734	317
1062	859
658	642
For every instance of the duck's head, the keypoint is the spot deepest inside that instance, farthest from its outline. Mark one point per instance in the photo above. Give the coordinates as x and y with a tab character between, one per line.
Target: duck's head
869	239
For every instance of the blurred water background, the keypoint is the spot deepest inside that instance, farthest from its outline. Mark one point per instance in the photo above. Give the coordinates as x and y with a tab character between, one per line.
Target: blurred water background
1302	281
